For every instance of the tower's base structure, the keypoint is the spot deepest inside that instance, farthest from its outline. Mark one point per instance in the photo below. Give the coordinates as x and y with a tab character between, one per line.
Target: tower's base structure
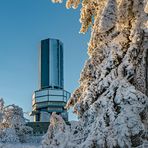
49	100
44	102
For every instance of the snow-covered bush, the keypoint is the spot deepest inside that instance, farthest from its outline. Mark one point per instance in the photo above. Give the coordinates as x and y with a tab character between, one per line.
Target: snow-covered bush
59	129
8	135
12	125
110	102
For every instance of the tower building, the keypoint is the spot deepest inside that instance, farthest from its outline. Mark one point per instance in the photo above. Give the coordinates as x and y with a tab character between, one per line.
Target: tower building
51	96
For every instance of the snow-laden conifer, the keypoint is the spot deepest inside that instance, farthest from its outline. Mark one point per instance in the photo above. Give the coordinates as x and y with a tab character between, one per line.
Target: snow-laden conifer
110	102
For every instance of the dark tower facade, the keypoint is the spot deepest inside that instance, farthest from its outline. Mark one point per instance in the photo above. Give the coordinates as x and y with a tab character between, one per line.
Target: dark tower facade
51	64
51	96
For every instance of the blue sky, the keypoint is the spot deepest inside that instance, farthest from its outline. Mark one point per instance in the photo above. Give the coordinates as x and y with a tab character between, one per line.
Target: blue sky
23	23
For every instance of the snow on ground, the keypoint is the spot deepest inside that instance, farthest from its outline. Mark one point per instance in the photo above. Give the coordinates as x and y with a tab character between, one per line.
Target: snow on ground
2	145
33	142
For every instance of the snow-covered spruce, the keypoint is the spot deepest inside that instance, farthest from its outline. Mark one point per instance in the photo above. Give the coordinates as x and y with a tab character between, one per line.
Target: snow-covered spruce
12	124
110	102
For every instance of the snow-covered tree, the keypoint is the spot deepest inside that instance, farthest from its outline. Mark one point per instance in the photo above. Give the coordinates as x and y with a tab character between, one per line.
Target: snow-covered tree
12	125
58	128
1	104
110	101
1	109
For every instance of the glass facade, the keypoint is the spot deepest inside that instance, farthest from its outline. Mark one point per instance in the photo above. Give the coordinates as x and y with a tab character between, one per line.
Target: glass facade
54	62
49	100
47	95
51	64
44	64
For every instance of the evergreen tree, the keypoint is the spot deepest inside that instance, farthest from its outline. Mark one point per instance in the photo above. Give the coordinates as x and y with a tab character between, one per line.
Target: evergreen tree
110	101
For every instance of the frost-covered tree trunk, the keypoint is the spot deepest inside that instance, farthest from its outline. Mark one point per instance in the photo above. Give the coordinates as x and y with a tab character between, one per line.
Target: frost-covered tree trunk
110	101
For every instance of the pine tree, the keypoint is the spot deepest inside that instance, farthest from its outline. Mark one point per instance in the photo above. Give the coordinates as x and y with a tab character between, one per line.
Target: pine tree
110	101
